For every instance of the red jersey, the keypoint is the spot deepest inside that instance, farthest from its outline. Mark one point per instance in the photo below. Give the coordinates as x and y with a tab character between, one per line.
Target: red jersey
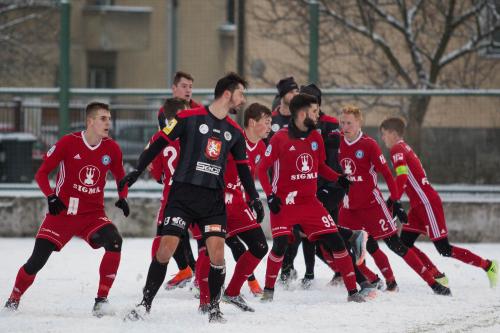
410	175
233	191
164	164
82	172
296	164
361	160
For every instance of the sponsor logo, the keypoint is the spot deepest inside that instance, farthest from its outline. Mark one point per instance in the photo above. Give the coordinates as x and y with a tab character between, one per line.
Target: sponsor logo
292	148
314	145
227	136
348	166
213	148
290	198
213	228
275	127
216	130
89	175
84	189
76	157
257	159
106	160
208	168
359	154
304	163
302	176
175	222
382	159
269	149
397	157
169	126
203	128
51	150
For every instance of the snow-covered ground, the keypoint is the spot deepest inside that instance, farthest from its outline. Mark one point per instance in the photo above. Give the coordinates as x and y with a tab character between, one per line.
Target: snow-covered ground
62	296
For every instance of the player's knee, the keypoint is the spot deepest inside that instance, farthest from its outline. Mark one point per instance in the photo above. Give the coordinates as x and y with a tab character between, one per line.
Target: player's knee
280	244
113	242
395	244
236	246
259	248
333	242
371	245
408	238
444	248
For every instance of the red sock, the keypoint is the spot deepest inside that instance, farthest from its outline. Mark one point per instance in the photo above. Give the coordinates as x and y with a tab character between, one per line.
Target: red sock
469	258
329	259
370	276
426	261
198	266
244	268
273	267
155	246
344	263
382	263
416	264
203	270
107	272
23	282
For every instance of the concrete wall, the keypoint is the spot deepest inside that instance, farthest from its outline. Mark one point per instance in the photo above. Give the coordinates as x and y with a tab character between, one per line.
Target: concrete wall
21	217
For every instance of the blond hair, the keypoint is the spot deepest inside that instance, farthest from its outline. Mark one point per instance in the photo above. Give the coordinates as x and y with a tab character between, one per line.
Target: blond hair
354	110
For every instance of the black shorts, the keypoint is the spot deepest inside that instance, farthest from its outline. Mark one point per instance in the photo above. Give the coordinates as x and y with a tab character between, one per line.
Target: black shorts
188	204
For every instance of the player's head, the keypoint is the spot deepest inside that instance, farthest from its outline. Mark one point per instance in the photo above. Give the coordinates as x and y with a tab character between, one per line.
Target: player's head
392	130
257	119
182	87
304	109
287	88
98	118
351	120
231	89
171	107
313	90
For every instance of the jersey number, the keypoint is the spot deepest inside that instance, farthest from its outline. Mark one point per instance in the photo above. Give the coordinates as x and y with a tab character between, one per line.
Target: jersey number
250	214
328	221
170	160
382	225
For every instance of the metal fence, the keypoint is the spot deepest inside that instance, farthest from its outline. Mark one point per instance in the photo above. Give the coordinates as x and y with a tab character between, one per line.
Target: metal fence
460	138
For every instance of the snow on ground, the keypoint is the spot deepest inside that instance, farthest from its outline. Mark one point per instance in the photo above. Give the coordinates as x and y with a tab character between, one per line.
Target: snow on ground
62	296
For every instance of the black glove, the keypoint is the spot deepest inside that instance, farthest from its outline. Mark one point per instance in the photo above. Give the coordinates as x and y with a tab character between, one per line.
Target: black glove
123	205
274	203
55	204
397	210
257	207
129	179
344	183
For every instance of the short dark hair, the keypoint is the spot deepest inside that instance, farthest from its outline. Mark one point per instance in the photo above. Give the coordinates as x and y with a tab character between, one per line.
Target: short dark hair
173	105
180	74
394	124
92	108
230	82
256	111
300	102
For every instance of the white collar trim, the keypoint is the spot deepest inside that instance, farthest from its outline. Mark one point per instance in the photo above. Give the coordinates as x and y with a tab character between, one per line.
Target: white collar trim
355	140
87	144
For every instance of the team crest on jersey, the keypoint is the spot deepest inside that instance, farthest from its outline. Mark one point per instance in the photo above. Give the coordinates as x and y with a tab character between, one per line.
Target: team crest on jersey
213	148
275	127
51	150
89	175
314	145
227	136
106	160
348	166
304	163
203	128
359	154
268	151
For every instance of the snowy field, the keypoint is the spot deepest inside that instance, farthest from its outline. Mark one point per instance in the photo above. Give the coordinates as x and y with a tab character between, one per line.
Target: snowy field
62	296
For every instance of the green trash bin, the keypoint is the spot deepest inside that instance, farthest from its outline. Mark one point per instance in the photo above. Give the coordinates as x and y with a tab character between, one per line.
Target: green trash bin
17	157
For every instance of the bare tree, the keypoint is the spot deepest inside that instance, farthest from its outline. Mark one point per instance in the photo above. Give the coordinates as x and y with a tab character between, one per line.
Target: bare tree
414	44
28	41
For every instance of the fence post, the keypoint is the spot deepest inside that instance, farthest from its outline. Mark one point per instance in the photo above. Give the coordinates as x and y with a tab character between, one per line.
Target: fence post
64	67
313	40
18	117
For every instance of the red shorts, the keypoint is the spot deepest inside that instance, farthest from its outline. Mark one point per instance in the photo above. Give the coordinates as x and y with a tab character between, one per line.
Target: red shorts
240	218
309	214
427	219
195	231
60	229
377	220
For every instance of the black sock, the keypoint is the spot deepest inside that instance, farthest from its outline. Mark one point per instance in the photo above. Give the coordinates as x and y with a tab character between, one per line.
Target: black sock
346	234
251	277
156	275
309	249
180	257
216	277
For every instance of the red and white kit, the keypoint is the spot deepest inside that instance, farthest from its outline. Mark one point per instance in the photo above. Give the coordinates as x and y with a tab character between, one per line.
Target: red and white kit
80	185
296	165
364	207
426	213
240	217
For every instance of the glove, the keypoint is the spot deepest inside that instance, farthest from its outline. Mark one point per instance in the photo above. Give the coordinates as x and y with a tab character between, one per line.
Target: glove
397	210
123	205
55	204
274	203
344	183
129	179
257	207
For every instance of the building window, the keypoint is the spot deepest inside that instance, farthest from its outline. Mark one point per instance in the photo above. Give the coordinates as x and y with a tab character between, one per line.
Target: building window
494	48
230	19
101	69
101	2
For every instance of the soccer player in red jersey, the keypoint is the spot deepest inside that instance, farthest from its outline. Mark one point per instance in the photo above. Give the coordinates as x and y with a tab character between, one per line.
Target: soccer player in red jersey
426	215
76	204
364	207
241	221
297	154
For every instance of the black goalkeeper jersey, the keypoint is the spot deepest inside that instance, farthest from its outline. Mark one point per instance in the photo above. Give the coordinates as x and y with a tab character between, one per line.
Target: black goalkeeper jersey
205	143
